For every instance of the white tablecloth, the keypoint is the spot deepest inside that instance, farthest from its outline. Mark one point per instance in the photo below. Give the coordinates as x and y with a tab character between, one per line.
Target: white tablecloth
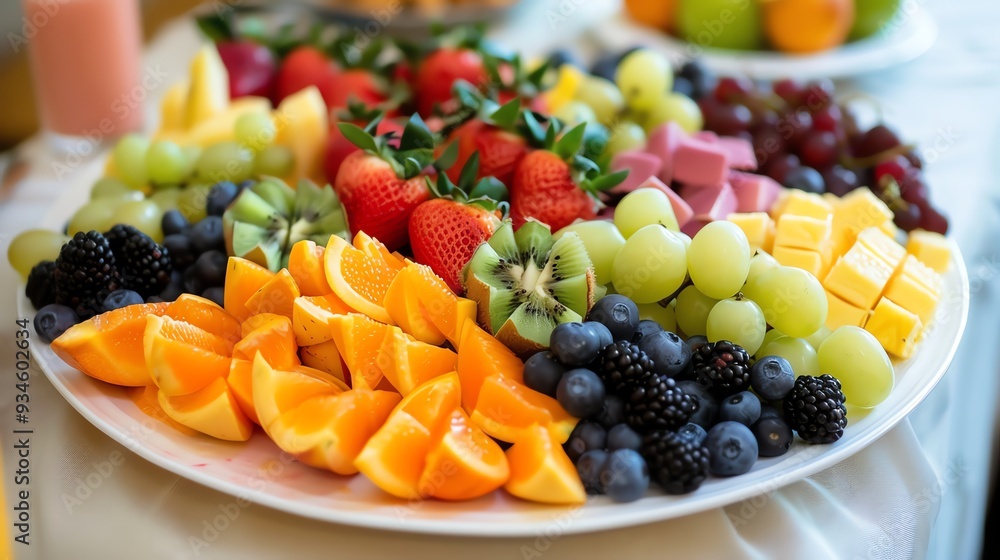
918	492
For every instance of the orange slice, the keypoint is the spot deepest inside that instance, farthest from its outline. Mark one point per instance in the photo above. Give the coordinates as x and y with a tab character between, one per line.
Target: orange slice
481	356
276	391
408	363
240	381
310	322
507	410
305	264
465	464
359	278
243	279
182	358
439	305
205	314
359	340
274	339
403	305
212	410
109	346
324	357
277	295
540	470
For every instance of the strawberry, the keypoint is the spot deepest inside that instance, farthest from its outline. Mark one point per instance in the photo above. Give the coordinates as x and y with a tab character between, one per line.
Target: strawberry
494	138
556	185
381	186
303	67
249	61
353	85
440	70
338	147
445	232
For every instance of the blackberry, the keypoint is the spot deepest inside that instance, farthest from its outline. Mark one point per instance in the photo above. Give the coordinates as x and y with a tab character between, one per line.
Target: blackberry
656	403
815	409
145	265
677	464
41	289
621	366
85	273
723	367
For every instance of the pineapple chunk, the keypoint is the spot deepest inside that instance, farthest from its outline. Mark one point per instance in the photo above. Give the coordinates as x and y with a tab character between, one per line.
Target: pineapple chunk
757	226
800	203
883	246
858	277
895	328
802	232
806	259
912	296
931	248
303	124
208	95
840	313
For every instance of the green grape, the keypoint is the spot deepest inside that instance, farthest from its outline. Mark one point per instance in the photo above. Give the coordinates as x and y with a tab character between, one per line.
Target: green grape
97	215
855	357
130	159
191	155
603	97
678	108
792	300
274	161
255	131
625	136
692	311
643	207
166	163
770	336
662	314
573	113
643	76
719	259
167	199
192	201
33	246
798	353
759	263
108	186
686	239
603	243
117	199
145	215
737	320
650	266
225	161
817	338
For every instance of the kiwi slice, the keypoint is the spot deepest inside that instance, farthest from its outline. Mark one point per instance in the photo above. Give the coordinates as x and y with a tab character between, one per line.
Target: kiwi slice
525	283
268	218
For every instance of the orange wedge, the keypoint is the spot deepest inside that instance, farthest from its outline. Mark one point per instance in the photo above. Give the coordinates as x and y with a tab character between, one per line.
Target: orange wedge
305	264
465	464
109	346
408	363
359	340
182	358
310	322
540	470
211	410
276	391
507	410
277	295
481	356
359	278
324	357
240	381
403	305
274	339
206	315
243	279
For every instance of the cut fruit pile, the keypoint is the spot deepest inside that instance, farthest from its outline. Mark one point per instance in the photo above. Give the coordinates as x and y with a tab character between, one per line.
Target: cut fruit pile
351	359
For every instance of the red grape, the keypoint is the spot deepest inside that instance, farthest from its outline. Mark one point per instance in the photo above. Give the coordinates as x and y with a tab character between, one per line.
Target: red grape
932	220
828	119
908	217
818	94
729	120
819	149
913	189
794	127
914	160
805	179
840	180
767	143
897	167
780	165
251	67
876	141
789	90
733	89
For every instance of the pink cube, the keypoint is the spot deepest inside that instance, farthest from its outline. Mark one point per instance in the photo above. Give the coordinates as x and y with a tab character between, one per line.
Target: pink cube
640	165
692	228
682	210
663	142
754	193
740	152
711	202
700	163
706	136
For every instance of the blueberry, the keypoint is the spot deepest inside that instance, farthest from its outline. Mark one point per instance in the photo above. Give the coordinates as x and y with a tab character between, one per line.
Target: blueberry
770	411
683	86
542	373
560	57
701	79
647	328
602	332
696	342
805	179
581	393
613	411
207	235
219	197
625	475
669	353
774	436
605	66
172	291
211	267
193	284
732	449
772	377
53	319
181	250
618	313
215	293
743	407
589	467
575	344
623	437
692	432
173	222
585	437
120	298
708	407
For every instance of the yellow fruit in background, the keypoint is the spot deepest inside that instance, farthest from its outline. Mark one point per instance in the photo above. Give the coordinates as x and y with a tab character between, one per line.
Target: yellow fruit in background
807	26
660	14
209	92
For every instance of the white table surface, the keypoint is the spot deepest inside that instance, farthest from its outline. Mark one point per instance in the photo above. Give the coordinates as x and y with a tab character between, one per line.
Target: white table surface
919	492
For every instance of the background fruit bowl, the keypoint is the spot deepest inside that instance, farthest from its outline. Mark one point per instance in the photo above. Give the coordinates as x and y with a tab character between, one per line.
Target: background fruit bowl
239	469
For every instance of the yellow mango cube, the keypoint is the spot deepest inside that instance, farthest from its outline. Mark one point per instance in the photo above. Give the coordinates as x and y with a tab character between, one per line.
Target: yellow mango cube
808	260
895	328
858	277
931	248
801	203
912	296
757	226
840	313
883	246
802	232
861	209
923	274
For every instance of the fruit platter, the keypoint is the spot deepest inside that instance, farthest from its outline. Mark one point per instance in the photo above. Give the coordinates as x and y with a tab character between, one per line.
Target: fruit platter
438	288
